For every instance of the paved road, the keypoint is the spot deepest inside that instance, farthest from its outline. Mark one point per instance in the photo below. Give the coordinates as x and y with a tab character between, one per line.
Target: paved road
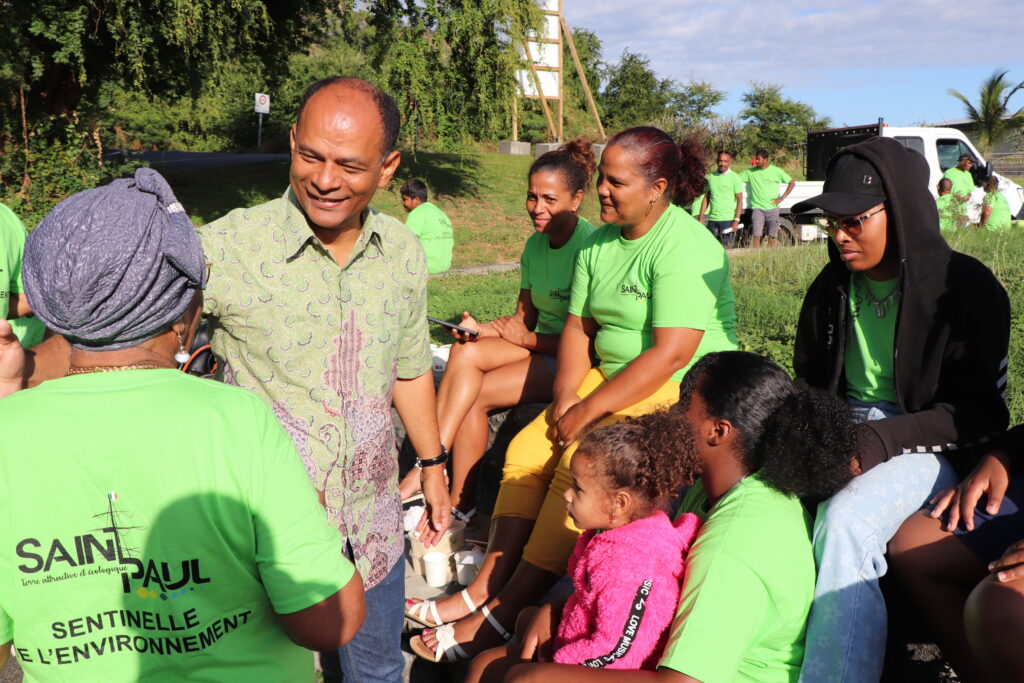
193	161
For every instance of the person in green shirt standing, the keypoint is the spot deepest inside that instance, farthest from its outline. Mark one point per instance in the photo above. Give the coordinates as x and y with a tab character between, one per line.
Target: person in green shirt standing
960	176
764	179
951	209
723	202
995	210
430	224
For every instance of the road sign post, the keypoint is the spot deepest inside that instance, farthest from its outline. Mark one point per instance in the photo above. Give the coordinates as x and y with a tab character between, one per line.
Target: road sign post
262	106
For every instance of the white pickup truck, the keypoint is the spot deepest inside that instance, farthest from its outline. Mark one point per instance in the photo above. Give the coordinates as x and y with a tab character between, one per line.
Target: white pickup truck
940	146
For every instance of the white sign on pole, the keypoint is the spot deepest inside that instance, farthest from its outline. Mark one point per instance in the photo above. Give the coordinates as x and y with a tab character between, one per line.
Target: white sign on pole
262	103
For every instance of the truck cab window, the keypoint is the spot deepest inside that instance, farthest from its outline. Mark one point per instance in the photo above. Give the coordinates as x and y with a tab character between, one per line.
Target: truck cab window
949	153
914	143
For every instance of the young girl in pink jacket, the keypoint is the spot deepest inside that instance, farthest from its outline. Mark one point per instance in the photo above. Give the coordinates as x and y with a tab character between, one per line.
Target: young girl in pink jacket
627	567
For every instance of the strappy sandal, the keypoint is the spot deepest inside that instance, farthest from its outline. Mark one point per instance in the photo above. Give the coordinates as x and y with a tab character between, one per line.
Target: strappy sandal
464	517
418	611
446	645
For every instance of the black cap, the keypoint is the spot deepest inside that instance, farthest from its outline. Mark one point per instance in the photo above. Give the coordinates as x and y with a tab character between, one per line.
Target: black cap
852	186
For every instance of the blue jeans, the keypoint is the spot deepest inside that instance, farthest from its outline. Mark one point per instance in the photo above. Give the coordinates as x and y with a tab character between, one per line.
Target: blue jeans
846	631
718	229
375	654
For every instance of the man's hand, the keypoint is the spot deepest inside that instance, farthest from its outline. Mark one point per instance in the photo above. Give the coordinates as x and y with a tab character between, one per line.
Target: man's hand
437	516
991	477
12	360
777	201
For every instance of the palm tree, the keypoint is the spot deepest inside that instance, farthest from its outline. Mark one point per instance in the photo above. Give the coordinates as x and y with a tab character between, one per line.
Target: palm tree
992	117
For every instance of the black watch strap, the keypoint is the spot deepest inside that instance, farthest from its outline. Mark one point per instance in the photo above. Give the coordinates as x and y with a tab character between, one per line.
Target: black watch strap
439	460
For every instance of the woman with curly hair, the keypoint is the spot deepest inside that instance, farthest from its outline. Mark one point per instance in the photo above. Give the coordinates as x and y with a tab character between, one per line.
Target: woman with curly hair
651	294
760	444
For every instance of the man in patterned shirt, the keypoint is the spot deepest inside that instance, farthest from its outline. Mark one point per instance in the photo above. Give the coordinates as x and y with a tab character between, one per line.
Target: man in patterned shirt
317	303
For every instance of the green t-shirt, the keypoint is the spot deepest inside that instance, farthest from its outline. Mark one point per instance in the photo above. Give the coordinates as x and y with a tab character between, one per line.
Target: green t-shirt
434	230
764	185
677	275
12	245
695	206
748	588
963	181
951	212
1000	218
547	273
869	346
161	524
723	188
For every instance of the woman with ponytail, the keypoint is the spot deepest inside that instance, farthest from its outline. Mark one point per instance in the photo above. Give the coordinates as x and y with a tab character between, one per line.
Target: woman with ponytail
511	360
759	444
651	294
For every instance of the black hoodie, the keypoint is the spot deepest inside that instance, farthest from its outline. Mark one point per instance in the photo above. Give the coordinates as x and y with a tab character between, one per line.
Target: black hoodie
952	328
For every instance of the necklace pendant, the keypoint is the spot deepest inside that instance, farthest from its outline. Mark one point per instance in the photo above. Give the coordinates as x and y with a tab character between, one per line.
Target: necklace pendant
880	309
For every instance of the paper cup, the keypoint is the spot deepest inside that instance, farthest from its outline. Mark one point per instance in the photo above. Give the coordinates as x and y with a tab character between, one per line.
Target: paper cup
435	569
467	564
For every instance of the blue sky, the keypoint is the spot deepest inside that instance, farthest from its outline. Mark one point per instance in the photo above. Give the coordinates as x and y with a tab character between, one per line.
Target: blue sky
852	62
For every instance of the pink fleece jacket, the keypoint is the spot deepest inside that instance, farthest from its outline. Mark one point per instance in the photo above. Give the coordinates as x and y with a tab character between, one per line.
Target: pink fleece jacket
627	584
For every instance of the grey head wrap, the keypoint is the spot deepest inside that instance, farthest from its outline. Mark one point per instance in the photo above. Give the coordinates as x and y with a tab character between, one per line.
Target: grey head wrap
111	267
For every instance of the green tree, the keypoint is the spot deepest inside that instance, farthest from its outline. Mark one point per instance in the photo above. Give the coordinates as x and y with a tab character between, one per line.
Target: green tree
775	122
693	102
451	63
58	61
992	117
633	94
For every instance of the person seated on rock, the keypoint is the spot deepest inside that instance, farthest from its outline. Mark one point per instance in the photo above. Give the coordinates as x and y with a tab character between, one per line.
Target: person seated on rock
914	336
651	294
760	444
511	360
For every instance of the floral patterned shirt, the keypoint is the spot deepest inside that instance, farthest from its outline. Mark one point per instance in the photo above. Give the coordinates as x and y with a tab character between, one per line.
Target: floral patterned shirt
322	344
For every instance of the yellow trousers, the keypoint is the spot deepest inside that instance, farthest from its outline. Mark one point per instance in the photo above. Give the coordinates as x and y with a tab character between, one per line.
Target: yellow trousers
536	476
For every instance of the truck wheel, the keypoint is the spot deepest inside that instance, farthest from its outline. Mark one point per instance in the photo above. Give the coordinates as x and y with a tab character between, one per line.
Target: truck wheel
788	234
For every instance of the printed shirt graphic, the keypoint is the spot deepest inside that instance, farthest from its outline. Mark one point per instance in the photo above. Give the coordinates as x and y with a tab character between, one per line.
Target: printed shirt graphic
12	244
547	274
676	275
434	230
322	345
163	522
722	190
764	185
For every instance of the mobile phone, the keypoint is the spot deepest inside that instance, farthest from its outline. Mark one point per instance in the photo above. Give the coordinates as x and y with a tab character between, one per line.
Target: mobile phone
453	326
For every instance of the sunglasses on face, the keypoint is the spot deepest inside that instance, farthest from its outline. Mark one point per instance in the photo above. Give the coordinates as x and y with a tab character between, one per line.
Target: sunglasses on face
851	225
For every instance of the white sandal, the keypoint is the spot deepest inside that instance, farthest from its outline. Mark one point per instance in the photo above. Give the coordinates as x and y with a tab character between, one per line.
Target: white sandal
419	611
446	645
463	516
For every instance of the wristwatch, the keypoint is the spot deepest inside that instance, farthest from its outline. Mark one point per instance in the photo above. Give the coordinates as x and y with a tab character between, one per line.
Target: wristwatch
439	460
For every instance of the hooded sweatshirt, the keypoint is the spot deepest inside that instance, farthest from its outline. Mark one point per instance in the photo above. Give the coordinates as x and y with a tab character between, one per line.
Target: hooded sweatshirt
627	583
951	347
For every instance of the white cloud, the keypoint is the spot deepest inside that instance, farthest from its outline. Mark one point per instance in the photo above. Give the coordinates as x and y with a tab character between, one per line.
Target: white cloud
800	43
